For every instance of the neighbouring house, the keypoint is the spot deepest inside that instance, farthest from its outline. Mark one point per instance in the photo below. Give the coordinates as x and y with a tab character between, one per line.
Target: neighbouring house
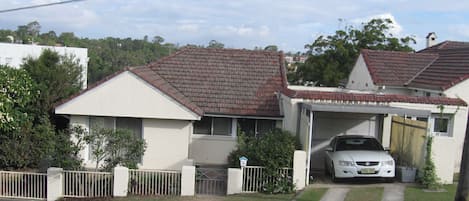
440	70
13	54
188	107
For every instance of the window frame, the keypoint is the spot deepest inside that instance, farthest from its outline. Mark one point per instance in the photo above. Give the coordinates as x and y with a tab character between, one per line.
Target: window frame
256	123
212	118
114	127
449	125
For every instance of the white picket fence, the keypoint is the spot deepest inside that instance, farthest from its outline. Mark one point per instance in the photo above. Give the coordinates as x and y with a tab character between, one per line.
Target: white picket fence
82	184
25	185
254	178
154	182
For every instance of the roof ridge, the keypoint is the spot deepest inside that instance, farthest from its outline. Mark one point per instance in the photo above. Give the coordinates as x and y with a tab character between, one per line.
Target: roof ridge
283	74
421	71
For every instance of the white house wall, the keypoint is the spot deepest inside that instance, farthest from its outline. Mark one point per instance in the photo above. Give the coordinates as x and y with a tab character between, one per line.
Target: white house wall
212	150
13	54
290	112
167	143
126	95
360	78
446	147
459	90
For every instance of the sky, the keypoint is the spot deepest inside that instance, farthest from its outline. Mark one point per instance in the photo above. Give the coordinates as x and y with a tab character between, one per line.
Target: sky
241	23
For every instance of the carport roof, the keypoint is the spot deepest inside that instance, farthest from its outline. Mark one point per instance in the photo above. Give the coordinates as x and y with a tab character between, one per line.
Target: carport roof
368	109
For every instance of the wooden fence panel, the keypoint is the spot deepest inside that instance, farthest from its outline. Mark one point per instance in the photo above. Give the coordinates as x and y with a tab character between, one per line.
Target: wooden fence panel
408	139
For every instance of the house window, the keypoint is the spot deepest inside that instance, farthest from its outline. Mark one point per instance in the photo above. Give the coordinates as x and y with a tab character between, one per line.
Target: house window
213	126
134	125
256	126
442	126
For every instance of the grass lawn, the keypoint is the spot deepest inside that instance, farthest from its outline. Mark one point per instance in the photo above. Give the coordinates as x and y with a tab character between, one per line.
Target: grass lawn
417	194
312	194
365	194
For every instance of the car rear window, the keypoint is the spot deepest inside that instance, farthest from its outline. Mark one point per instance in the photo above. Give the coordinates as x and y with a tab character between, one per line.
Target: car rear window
358	144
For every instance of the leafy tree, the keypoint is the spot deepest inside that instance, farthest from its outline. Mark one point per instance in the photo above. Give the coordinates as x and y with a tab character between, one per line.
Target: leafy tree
57	77
115	147
215	44
332	57
17	92
23	143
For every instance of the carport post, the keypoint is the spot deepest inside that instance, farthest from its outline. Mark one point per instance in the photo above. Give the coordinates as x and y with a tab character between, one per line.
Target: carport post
309	145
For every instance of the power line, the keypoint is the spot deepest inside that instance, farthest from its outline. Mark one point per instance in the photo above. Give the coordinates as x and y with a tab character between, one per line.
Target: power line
39	5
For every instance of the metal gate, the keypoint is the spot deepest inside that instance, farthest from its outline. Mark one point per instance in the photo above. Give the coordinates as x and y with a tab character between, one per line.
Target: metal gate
211	181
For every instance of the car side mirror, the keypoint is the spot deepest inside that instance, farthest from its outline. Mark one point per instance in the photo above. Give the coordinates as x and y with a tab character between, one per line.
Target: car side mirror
329	149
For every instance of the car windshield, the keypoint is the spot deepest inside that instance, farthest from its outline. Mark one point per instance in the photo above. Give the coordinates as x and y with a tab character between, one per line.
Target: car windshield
358	144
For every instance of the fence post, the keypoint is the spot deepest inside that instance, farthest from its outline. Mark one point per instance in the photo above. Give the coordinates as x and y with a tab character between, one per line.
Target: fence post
121	181
299	169
188	181
54	183
235	181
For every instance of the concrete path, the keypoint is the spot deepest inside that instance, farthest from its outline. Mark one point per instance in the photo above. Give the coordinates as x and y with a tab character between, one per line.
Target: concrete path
393	192
335	194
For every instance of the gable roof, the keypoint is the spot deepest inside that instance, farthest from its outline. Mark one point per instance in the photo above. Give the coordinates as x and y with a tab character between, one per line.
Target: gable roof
437	68
395	68
215	81
370	98
226	81
151	78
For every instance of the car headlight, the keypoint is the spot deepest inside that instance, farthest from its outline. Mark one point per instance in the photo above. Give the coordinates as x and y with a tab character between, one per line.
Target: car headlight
388	163
346	163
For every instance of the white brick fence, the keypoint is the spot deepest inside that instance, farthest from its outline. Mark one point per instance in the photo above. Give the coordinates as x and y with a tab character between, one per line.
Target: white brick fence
58	183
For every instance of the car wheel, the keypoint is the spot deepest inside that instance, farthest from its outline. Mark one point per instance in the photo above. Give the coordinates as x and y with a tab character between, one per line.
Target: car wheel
332	174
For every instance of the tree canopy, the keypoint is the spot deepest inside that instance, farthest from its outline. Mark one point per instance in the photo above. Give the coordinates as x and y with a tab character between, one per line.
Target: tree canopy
106	55
56	76
331	58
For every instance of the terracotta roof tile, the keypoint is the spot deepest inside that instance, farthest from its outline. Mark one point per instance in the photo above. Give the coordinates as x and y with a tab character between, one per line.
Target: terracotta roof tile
451	67
226	81
445	45
378	98
395	68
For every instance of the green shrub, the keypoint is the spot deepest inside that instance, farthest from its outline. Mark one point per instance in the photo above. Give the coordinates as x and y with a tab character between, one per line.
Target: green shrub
273	150
429	179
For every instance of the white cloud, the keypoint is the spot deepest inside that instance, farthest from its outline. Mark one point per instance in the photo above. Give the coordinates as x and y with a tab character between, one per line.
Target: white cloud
396	29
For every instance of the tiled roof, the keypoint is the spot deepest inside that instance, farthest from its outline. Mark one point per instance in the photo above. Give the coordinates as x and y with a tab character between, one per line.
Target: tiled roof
445	45
438	67
395	68
375	98
216	81
226	81
451	67
154	79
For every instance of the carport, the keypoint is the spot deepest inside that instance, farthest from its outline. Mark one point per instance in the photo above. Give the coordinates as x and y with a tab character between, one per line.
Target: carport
319	122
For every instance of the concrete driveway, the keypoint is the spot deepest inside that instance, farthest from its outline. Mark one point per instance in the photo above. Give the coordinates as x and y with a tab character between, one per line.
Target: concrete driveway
338	191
